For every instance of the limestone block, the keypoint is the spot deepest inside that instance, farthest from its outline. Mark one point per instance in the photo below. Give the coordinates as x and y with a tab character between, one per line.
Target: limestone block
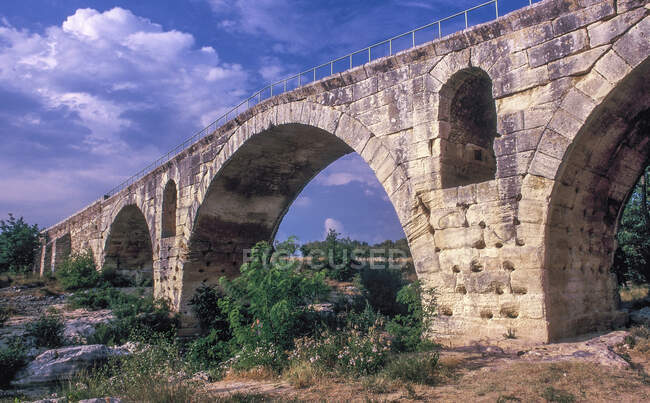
487	282
456	260
634	46
612	67
576	64
519	80
453	238
557	48
603	32
364	88
452	217
626	5
565	124
577	19
493	212
553	144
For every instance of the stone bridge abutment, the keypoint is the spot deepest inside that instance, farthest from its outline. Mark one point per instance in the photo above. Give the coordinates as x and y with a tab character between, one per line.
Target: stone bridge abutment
508	151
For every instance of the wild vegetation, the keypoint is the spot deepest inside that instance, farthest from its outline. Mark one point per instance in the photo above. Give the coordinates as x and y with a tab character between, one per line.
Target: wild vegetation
18	244
280	319
632	257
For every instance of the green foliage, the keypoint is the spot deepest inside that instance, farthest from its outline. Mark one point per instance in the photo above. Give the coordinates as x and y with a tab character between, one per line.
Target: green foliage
78	271
205	307
154	373
209	351
557	395
97	298
408	329
380	289
47	331
4	315
348	352
632	257
13	357
334	255
268	303
18	244
141	316
419	368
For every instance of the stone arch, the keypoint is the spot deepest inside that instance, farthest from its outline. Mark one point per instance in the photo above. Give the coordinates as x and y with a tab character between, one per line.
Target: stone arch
169	204
128	245
259	172
467	116
599	169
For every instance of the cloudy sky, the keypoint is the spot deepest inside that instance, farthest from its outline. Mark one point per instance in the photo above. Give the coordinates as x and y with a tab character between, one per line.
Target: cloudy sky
92	91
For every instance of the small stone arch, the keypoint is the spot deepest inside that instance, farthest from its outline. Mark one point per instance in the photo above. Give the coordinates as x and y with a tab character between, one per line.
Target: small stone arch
128	247
468	126
169	205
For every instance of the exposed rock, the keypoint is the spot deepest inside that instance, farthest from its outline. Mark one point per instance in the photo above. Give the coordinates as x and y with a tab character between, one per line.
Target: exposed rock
80	324
102	400
598	350
63	363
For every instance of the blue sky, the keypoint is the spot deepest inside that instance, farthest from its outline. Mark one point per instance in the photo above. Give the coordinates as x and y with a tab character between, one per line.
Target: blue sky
92	91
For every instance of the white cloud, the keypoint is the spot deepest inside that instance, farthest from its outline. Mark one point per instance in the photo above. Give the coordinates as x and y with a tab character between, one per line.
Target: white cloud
99	97
351	168
331	223
92	50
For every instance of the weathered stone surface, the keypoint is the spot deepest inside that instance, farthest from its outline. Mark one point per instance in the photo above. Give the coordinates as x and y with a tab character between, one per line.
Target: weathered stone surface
506	150
63	363
557	48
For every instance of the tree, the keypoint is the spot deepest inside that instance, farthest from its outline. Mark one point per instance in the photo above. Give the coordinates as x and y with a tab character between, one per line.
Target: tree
632	258
18	245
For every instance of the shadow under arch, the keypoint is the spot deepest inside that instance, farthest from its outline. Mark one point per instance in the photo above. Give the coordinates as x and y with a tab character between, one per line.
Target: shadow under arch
598	172
249	196
128	246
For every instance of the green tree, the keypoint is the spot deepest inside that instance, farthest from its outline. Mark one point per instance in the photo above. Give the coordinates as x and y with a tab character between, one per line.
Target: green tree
632	257
18	245
268	304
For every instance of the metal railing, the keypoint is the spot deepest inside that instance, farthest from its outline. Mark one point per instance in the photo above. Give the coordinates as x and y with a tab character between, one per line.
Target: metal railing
310	76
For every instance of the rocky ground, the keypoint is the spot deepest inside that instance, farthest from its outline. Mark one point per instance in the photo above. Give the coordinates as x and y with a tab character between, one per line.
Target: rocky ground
596	367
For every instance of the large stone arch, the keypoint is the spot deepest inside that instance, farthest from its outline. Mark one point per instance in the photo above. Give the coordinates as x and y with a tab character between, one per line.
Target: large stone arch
598	171
259	172
128	247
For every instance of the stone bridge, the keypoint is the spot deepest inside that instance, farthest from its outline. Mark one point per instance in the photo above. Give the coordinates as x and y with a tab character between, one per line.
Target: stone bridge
508	151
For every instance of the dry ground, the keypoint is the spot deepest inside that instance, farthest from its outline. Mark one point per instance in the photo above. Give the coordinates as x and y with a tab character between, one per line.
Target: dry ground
471	375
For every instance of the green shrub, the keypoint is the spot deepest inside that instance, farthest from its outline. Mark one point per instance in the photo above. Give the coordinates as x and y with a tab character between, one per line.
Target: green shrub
380	287
154	373
96	298
47	331
408	330
4	315
209	351
141	316
348	352
78	272
12	358
557	395
266	305
205	306
111	276
419	368
18	245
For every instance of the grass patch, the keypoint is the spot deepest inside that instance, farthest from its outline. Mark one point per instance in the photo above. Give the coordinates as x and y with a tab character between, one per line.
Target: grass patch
420	368
47	330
